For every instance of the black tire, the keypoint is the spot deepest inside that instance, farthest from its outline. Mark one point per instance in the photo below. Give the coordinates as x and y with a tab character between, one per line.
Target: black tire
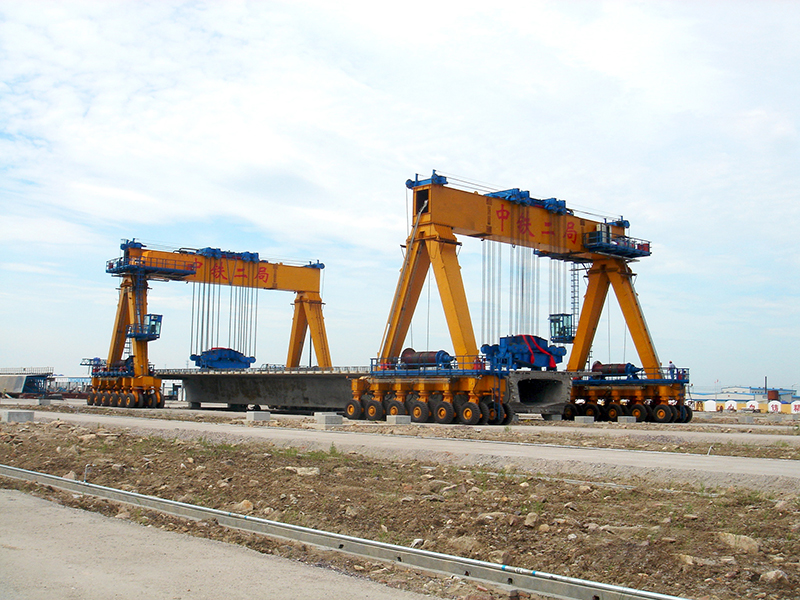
469	413
420	412
613	411
396	408
500	414
509	415
662	413
639	411
353	410
592	410
129	400
444	413
374	410
160	402
485	412
689	413
570	412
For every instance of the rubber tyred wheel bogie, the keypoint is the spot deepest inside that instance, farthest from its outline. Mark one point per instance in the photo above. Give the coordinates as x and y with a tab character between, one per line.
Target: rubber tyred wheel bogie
469	413
444	413
420	412
354	411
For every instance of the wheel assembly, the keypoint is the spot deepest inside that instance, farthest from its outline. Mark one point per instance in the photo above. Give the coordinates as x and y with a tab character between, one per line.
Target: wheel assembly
420	412
354	411
469	413
374	411
444	413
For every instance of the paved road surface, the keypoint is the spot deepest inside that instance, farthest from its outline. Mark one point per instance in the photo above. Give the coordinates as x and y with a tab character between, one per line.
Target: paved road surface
714	471
51	552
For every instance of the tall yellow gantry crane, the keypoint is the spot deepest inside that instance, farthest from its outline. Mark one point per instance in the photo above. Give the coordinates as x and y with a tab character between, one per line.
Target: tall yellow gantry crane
442	212
130	381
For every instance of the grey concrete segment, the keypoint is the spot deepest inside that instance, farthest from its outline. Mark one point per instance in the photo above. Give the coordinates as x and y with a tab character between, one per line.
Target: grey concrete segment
626	419
16	416
328	418
258	415
398	419
51	551
44	401
307	391
552	417
745	419
584	419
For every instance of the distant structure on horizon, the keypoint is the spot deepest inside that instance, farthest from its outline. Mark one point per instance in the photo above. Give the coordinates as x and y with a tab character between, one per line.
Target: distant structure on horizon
756	399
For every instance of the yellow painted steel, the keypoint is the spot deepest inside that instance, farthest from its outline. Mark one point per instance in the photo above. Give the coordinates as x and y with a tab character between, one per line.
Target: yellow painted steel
441	213
190	266
616	273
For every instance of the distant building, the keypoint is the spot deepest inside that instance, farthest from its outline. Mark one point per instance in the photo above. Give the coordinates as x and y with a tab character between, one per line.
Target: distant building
734	398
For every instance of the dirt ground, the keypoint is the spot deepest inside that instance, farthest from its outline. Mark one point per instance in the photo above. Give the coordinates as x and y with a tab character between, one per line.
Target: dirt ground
698	543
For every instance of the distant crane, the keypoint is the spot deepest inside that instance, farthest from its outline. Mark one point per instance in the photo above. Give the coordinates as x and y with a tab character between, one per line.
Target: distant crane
129	381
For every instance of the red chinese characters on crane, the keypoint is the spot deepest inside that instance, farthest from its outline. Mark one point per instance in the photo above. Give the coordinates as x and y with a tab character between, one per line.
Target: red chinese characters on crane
240	274
263	275
524	225
218	272
503	214
571	234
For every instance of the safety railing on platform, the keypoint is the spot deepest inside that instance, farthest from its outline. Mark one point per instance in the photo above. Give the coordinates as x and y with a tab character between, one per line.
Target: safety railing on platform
265	369
606	242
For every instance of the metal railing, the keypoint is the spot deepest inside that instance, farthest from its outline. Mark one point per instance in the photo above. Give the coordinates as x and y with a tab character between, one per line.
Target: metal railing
537	582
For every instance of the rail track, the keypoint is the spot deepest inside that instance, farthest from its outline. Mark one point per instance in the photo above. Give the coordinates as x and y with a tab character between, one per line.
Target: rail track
508	577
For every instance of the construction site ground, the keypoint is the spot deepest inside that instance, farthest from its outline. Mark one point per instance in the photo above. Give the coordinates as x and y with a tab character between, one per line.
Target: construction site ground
691	540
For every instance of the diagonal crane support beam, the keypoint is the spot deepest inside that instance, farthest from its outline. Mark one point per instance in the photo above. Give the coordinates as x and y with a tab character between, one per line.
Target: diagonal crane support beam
617	274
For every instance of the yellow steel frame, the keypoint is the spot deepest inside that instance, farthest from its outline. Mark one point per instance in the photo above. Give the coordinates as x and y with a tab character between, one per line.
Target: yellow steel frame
441	212
193	267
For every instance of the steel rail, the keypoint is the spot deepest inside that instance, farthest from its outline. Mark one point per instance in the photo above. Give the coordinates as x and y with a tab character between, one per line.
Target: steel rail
538	582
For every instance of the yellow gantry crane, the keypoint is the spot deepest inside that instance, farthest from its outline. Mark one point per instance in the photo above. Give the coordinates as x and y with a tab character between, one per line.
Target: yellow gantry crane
442	212
129	381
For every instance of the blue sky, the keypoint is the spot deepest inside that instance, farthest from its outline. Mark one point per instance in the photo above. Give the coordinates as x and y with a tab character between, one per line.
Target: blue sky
289	129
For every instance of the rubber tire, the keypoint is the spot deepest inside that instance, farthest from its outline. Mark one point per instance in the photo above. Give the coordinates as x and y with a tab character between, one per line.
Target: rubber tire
485	412
396	408
639	411
500	414
129	400
509	415
353	410
444	413
105	399
592	410
614	411
689	413
374	411
469	413
662	413
161	402
570	412
90	399
420	412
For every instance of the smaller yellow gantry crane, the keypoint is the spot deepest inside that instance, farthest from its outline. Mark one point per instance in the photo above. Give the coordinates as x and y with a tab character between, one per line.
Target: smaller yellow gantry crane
129	381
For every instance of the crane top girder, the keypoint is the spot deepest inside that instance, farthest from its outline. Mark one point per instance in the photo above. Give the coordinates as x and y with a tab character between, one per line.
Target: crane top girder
211	265
514	217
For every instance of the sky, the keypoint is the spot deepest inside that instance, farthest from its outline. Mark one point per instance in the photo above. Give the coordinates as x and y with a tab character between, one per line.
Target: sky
290	128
